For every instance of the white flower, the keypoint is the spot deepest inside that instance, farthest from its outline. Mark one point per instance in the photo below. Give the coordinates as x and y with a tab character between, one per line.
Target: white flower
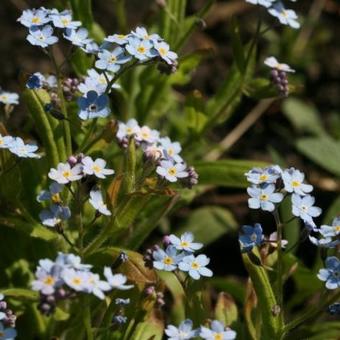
65	174
172	171
6	141
217	332
126	130
35	17
303	207
76	280
285	16
145	134
273	63
19	148
9	98
45	282
183	332
196	266
96	286
77	37
65	20
96	200
293	182
96	168
164	52
142	34
185	242
171	149
116	281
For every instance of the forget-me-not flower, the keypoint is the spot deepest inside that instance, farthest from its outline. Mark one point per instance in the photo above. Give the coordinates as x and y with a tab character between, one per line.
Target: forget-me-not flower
263	197
42	37
35	81
251	237
217	331
147	135
142	34
164	52
172	171
46	281
333	230
166	260
171	149
9	98
93	105
54	215
119	39
5	141
274	64
126	130
96	286
52	193
185	242
264	175
22	150
196	266
75	279
293	182
184	331
65	20
112	61
265	3
116	281
285	16
141	49
331	274
64	174
96	200
303	207
77	37
34	17
96	167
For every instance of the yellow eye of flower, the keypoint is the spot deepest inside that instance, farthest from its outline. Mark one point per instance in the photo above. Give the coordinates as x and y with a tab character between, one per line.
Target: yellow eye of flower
171	152
141	49
96	168
337	228
253	237
264	197
113	59
263	178
76	281
162	51
67	174
121	36
36	20
168	260
129	130
49	280
65	21
184	244
55	198
1	141
218	336
195	265
296	184
172	171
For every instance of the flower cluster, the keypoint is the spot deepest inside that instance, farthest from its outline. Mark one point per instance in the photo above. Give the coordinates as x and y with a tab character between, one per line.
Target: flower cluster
66	277
7	321
279	75
277	9
329	235
331	274
271	184
158	150
74	170
178	255
185	331
18	147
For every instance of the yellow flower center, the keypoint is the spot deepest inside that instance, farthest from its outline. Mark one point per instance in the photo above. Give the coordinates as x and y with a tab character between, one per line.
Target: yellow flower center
96	169
195	265
67	173
113	59
36	20
253	237
296	184
102	80
49	280
172	171
55	198
76	281
263	178
168	260
65	21
4	98
1	141
145	135
162	51
218	336
264	197
185	244
171	152
141	49
121	36
337	228
129	130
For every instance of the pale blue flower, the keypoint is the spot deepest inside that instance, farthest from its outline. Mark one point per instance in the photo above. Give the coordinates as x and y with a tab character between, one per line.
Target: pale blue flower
142	34
46	281
265	3
77	37
147	135
54	215
164	52
196	266
96	167
131	128
122	302
264	175
141	49
65	20
9	98
42	37
183	332
93	105
96	200
8	333
185	242
112	61
34	17
293	182
172	171
96	286
326	242
6	141
64	173
263	197
51	194
171	149
119	39
285	16
166	260
274	64
333	230
22	150
217	331
251	237
116	281
91	47
331	274
303	207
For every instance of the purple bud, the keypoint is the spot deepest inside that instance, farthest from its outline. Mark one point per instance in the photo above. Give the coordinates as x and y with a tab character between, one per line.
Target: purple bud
149	290
166	240
72	160
3	305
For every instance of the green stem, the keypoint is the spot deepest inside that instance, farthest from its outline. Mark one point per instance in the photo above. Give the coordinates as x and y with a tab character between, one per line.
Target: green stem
87	319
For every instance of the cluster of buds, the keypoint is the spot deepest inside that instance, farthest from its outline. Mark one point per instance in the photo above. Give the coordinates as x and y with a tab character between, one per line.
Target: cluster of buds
8	318
150	291
148	256
70	87
167	69
48	303
192	179
75	159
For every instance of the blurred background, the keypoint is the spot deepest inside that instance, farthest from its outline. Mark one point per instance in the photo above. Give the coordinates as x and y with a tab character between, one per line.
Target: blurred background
301	131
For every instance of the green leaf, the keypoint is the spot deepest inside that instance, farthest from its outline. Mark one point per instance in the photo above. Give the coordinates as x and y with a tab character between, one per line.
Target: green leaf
226	309
228	173
259	88
20	293
209	223
238	49
324	151
151	329
60	315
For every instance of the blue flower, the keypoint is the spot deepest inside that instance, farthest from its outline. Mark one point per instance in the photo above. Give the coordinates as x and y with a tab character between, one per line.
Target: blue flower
7	333
183	332
42	37
6	141
35	81
51	194
77	37
196	266
285	16
333	230
263	197
251	237
326	242
119	39
93	105
64	20
35	17
141	49
142	34
112	61
331	274
166	260
54	215
22	150
334	309
267	175
217	331
293	182
303	207
185	242
265	3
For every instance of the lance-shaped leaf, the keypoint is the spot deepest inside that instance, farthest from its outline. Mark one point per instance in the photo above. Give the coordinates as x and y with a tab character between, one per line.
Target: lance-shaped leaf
226	309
